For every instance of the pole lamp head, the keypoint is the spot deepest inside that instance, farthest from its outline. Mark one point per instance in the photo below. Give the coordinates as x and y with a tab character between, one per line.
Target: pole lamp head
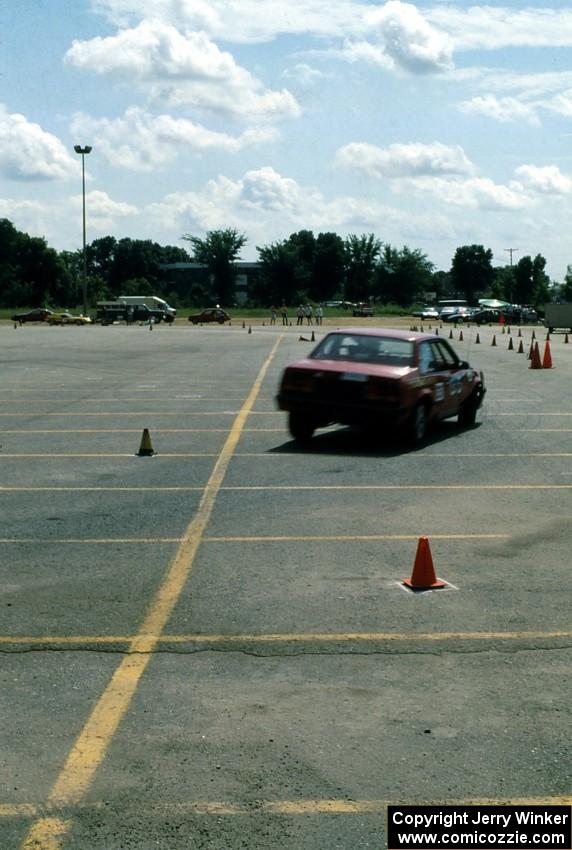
79	149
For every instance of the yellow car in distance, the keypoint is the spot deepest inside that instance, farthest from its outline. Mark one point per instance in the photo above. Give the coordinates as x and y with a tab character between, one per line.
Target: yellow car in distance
68	319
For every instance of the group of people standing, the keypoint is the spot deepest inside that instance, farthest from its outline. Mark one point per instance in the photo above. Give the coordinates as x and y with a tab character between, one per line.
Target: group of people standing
304	311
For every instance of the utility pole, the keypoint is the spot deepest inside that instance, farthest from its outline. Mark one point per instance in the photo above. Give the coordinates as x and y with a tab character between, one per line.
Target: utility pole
510	252
83	151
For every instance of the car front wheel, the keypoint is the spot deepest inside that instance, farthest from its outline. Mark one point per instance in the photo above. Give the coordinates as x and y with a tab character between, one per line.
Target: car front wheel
468	411
301	426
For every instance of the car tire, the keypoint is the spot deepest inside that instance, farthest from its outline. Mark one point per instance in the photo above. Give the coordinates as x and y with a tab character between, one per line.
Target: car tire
301	426
468	412
418	424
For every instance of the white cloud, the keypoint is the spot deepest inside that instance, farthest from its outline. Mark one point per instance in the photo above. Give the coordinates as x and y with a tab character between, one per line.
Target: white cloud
304	74
476	193
402	160
140	141
495	27
102	211
29	153
409	40
182	69
504	109
547	179
245	20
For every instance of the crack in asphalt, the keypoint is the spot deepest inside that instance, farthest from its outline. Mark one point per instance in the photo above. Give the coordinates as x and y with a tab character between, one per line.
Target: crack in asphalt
278	655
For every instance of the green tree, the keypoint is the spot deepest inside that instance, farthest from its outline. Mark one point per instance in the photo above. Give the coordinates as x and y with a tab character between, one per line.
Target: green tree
566	288
281	276
471	270
402	276
361	256
503	284
219	251
329	265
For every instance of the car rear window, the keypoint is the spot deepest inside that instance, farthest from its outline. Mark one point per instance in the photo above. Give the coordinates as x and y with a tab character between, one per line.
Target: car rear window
364	348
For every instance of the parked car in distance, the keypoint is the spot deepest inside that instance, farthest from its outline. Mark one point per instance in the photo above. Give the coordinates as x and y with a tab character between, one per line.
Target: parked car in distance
68	319
211	314
426	313
40	314
363	310
464	314
379	378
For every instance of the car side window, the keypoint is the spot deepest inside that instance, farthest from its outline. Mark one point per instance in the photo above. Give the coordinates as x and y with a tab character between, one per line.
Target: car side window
448	357
425	358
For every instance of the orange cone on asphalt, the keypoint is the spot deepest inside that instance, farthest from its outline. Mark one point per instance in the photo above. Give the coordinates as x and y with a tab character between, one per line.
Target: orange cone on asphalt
145	448
533	335
520	348
423	576
250	329
566	340
519	332
437	331
460	336
547	357
510	345
303	339
494	342
313	338
535	362
451	334
478	340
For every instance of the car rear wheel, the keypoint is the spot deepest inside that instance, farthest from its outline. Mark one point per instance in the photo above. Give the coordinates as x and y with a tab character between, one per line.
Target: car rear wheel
301	426
418	424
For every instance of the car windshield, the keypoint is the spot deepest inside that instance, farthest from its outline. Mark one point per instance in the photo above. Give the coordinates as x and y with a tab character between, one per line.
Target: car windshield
364	348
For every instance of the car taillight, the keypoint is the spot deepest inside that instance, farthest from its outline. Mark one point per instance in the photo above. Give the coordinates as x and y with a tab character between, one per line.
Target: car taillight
300	382
381	390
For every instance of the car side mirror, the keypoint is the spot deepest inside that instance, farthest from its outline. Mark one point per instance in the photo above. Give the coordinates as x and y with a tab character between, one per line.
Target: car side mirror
463	364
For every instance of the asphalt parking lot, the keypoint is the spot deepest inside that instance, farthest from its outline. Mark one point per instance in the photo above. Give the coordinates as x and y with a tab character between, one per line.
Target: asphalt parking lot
210	648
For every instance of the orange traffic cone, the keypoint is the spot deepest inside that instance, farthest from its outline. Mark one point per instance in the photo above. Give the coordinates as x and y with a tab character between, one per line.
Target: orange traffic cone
494	342
566	340
313	338
520	348
547	357
460	336
519	332
423	576
437	331
510	345
451	334
478	340
250	329
145	448
535	362
303	339
533	335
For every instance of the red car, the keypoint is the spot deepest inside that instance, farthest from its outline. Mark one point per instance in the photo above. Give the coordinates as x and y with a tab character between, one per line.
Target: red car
212	314
376	378
40	314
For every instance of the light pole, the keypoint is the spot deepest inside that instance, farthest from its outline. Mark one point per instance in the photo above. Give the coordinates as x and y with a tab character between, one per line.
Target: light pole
83	151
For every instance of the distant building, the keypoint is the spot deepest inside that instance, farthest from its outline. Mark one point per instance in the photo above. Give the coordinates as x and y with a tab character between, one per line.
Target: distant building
188	280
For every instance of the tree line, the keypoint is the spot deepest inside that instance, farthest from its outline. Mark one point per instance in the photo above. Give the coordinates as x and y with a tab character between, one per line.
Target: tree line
302	267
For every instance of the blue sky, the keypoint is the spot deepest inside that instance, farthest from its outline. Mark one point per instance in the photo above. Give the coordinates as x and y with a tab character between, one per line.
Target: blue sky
432	126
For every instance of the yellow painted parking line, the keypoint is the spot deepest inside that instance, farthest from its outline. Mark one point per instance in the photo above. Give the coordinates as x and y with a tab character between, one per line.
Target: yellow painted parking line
342	487
353	538
25	489
127	430
69	413
44	455
90	541
274	807
289	488
252	538
281	638
90	747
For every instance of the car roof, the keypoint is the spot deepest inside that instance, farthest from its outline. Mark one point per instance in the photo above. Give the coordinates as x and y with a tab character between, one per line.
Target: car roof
394	333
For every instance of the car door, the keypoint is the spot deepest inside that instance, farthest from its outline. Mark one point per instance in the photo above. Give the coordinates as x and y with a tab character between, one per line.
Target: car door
438	364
